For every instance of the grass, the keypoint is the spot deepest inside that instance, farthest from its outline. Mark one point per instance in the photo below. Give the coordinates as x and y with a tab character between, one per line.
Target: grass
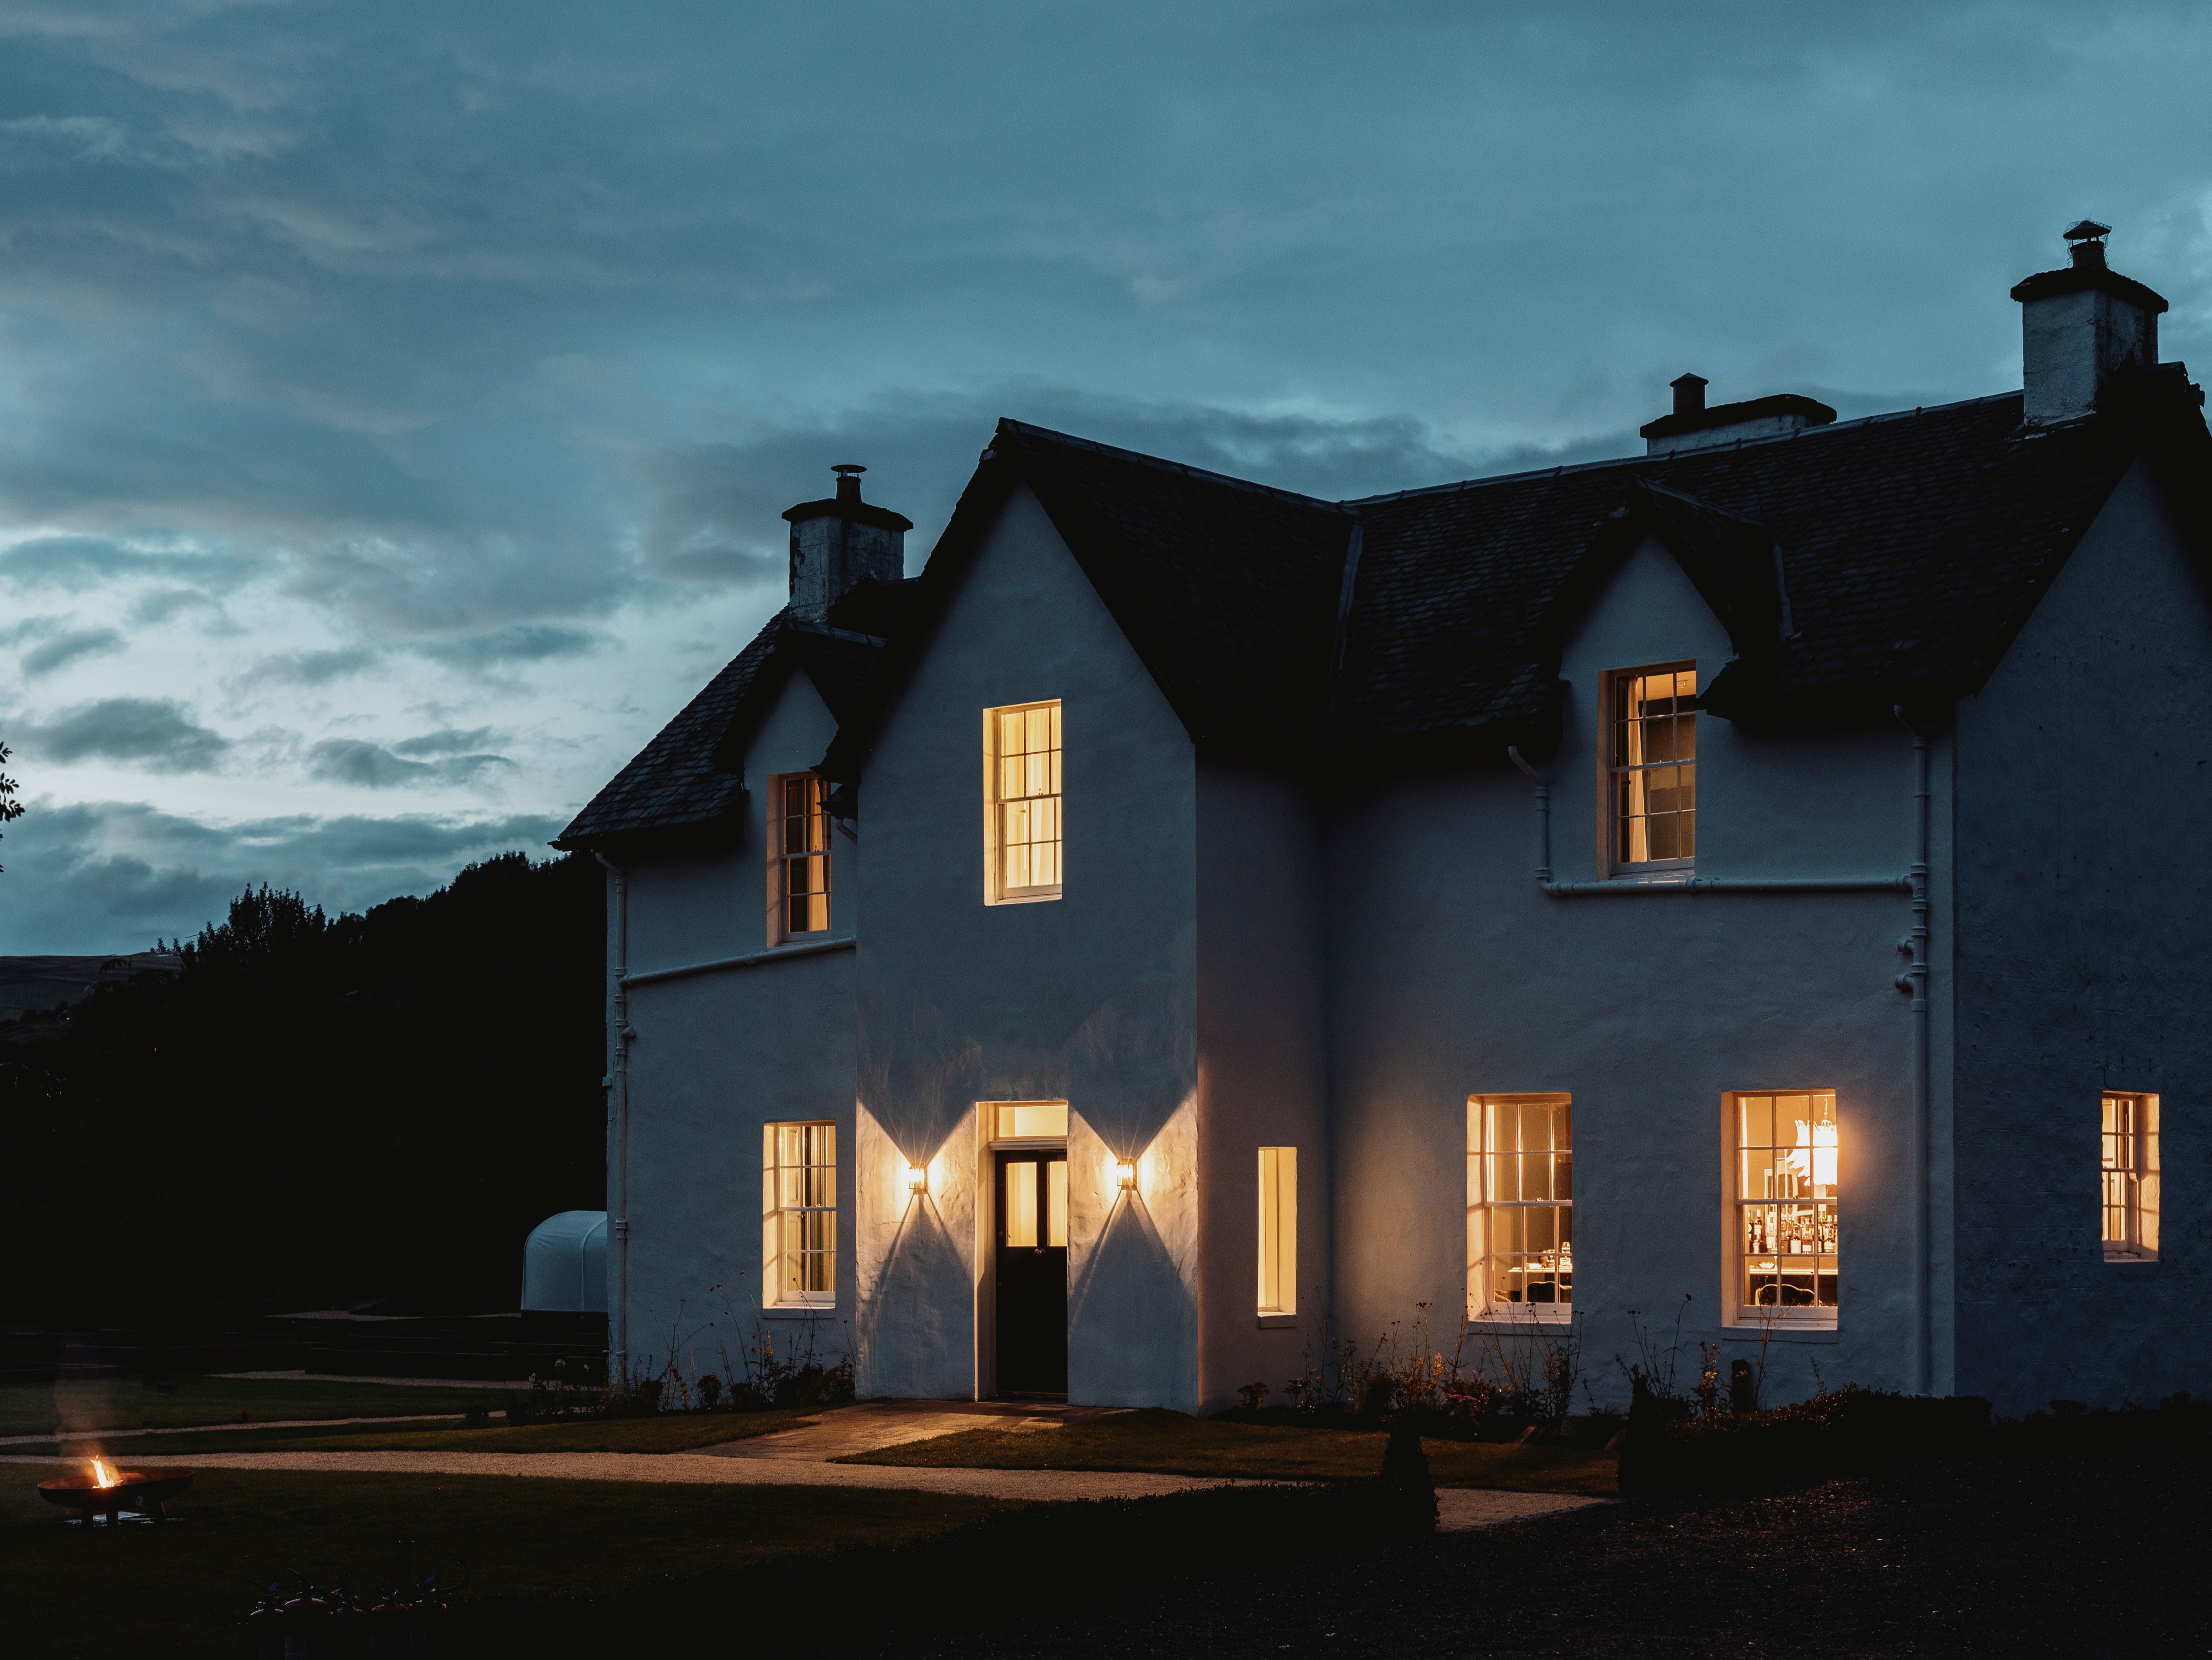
127	1404
1168	1442
179	1591
677	1432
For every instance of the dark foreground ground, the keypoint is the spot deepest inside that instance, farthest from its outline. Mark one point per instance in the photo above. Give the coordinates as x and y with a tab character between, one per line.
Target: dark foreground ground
2077	1552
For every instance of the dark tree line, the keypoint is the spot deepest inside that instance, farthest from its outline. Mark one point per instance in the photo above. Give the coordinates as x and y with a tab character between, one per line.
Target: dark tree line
313	1112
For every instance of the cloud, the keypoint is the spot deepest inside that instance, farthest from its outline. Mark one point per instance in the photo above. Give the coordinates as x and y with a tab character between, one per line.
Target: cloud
309	668
66	648
448	741
156	732
77	563
371	766
104	876
524	643
163	604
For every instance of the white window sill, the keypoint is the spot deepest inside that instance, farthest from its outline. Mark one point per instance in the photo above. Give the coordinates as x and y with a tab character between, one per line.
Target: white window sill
1506	1324
1277	1322
797	1310
1782	1331
2131	1268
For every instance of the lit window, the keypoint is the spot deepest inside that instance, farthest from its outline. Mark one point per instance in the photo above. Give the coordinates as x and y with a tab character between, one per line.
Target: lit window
1521	1207
1022	803
799	857
800	1194
2130	1178
1279	1230
1652	766
1785	1203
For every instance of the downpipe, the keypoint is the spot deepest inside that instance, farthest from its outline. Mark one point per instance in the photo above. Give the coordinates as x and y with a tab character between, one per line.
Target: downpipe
1914	948
619	1078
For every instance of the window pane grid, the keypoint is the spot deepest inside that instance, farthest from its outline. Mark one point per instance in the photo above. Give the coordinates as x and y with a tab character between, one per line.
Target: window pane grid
1524	1193
2128	1157
804	842
803	1228
1786	1186
1654	769
1027	806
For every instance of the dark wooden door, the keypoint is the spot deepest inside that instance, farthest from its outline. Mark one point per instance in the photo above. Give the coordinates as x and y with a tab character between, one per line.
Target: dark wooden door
1032	1273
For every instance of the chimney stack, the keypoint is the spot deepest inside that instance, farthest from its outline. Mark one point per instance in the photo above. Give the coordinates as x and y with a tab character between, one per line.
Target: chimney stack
2080	326
839	541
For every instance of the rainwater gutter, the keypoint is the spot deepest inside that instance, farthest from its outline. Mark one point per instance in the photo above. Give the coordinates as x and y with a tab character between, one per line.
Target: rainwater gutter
1688	884
618	1080
774	954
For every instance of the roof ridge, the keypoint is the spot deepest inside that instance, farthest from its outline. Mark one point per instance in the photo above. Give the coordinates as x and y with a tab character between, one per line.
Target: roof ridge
1566	467
1166	465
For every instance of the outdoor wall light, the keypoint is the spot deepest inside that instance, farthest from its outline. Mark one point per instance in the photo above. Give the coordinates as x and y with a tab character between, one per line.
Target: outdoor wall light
1126	1174
917	1178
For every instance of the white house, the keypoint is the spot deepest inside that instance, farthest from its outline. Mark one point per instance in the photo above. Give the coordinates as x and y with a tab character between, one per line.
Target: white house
1766	871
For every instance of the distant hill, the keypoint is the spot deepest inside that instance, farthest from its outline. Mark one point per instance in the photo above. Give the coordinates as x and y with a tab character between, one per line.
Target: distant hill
40	983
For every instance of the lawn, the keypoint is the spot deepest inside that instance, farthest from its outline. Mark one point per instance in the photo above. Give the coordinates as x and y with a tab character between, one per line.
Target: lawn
179	1591
127	1404
1170	1443
675	1433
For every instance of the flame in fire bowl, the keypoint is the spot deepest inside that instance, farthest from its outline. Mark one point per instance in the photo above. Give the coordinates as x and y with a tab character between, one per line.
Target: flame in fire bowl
143	1490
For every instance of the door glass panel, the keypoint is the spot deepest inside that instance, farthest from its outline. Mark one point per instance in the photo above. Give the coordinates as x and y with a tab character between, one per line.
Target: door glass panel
1022	1204
1055	1209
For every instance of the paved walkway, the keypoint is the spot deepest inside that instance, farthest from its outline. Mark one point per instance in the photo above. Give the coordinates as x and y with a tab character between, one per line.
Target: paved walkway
875	1425
217	1429
1461	1509
401	1383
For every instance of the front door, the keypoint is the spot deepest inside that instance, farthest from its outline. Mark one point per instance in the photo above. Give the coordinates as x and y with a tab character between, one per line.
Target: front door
1032	1272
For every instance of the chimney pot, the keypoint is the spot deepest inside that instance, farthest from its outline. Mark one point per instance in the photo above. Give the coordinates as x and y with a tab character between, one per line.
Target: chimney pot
840	541
2080	326
1689	393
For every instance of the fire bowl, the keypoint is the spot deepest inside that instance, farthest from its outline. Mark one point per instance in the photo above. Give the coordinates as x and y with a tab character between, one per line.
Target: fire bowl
147	1491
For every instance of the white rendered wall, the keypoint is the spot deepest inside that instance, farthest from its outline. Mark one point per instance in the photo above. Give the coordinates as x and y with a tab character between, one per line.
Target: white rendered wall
719	1055
2086	775
1451	975
1263	1072
1091	998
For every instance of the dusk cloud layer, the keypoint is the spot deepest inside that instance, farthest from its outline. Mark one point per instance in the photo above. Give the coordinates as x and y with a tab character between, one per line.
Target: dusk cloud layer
397	403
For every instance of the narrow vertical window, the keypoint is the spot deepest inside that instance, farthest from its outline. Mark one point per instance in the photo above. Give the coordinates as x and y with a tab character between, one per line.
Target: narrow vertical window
1521	1207
1652	767
2129	1150
1786	1155
800	1182
1021	830
1279	1230
799	857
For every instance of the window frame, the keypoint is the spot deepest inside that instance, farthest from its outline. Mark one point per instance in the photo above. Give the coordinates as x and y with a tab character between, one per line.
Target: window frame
1482	1308
1612	771
1736	1206
2139	1190
996	890
1277	1240
774	1210
781	858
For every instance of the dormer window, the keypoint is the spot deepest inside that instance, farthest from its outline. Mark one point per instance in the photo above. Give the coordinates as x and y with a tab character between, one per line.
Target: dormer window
1651	755
798	858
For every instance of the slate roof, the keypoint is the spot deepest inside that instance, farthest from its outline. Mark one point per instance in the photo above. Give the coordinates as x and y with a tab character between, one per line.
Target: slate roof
688	781
1855	565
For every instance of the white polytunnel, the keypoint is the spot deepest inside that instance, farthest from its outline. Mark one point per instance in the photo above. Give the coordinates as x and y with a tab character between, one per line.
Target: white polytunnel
564	1263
